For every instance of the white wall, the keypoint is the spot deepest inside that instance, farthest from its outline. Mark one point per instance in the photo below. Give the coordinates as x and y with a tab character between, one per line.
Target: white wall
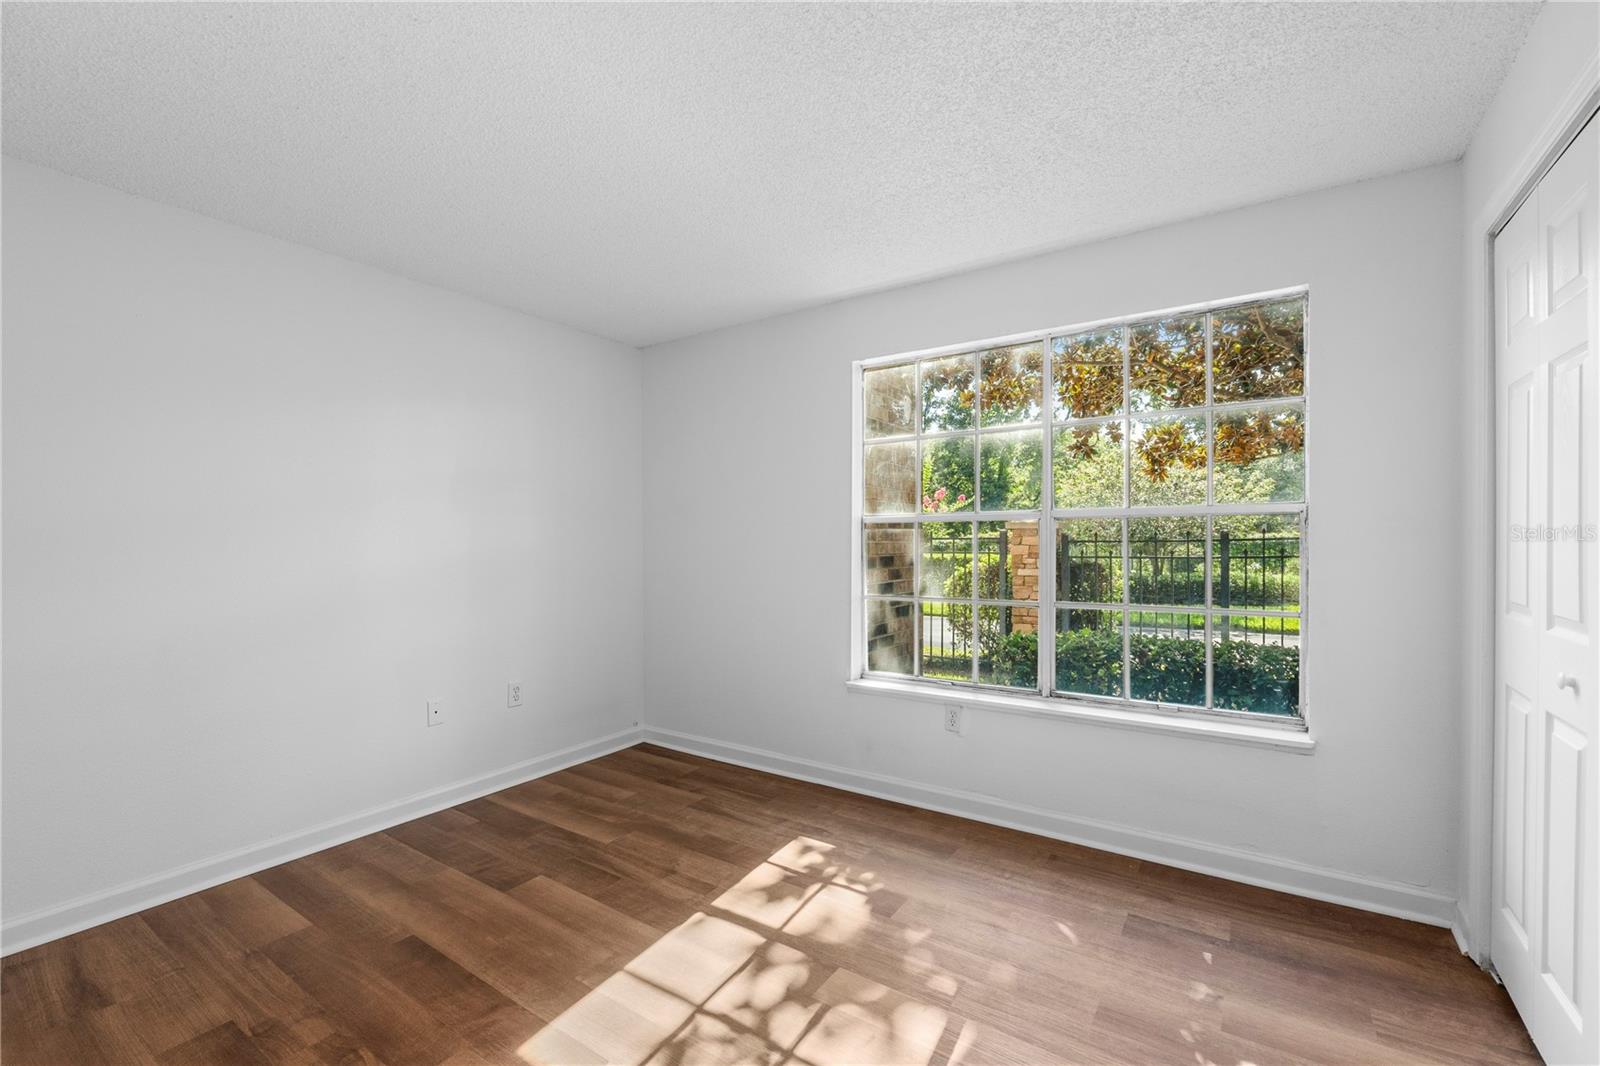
1562	44
1558	67
260	504
747	560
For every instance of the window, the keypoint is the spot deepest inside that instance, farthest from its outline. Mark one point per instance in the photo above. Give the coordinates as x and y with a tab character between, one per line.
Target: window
1109	513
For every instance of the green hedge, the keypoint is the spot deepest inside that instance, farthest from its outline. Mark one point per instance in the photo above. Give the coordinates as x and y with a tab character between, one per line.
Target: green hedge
1251	677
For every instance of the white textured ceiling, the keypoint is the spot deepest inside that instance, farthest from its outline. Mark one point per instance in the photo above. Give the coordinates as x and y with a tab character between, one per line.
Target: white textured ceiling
649	172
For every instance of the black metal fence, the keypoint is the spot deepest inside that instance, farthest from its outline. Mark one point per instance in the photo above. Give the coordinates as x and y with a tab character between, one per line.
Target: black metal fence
1256	571
947	640
947	571
947	565
1251	571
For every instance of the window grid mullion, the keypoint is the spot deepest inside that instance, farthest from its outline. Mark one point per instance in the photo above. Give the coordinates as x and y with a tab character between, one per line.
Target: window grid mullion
1044	626
918	625
1211	434
977	498
951	516
987	601
1127	501
972	599
1172	510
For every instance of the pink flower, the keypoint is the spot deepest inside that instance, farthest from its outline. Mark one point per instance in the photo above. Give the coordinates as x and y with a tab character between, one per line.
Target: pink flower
926	503
961	498
940	493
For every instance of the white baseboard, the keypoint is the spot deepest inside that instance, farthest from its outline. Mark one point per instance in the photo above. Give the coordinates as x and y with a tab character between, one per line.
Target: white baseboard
42	926
1462	927
1284	875
1233	864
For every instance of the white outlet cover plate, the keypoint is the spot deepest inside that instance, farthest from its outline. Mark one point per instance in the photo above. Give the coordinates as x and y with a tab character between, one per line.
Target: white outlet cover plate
435	712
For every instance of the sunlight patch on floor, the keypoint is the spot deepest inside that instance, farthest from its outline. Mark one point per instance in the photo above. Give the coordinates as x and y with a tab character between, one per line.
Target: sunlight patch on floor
735	983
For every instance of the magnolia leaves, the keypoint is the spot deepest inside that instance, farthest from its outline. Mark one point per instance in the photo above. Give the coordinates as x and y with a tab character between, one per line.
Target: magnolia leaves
1088	373
1013	384
1146	396
1258	351
1246	436
1167	364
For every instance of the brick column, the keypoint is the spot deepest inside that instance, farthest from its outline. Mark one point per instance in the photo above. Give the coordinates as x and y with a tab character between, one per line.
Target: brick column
1022	543
891	625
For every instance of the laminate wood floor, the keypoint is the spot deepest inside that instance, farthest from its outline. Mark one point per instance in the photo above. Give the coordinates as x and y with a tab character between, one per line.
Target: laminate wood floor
653	907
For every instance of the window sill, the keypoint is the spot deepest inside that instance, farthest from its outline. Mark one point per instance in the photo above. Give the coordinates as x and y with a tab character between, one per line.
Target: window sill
1291	738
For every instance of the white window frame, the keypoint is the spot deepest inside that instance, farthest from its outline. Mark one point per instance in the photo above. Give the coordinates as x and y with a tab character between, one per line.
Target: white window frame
1221	722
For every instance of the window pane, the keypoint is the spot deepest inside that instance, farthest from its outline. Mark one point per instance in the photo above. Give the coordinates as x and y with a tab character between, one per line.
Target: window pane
1255	562
889	401
1260	455
1088	465
889	478
1010	475
1012	389
1089	560
888	552
1256	664
948	396
890	626
1167	364
947	475
1008	646
1089	652
1167	657
1148	596
1258	351
1088	374
1008	561
1167	560
947	641
1168	464
947	559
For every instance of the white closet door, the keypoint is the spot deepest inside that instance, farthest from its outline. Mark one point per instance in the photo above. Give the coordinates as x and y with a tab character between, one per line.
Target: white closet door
1546	830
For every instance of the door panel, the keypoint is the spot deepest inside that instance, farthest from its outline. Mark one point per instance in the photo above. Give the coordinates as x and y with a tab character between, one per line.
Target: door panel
1565	754
1545	940
1515	745
1518	490
1564	241
1566	490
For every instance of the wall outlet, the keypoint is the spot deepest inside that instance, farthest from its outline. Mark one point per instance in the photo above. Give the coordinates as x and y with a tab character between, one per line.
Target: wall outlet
952	718
513	693
435	712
